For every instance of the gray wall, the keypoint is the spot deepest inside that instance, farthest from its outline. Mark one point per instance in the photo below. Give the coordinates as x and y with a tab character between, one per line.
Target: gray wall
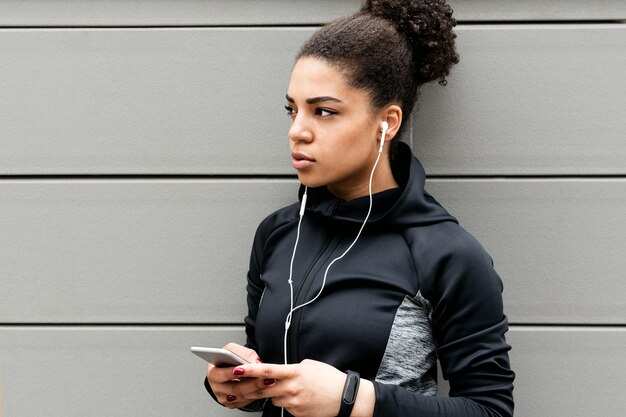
142	142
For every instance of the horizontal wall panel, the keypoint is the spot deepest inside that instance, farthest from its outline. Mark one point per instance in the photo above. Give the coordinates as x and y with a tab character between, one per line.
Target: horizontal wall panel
533	99
177	251
145	101
171	13
528	100
557	244
537	10
98	372
130	251
272	12
74	372
568	372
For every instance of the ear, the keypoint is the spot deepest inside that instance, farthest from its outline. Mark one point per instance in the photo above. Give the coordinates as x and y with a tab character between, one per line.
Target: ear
392	113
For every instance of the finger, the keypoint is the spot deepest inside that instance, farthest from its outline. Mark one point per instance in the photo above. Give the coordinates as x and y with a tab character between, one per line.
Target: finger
247	386
258	394
220	375
245	390
226	396
249	354
271	390
235	403
237	392
280	402
266	371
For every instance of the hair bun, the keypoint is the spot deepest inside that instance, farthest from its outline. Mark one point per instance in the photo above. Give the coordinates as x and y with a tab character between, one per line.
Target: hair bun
427	25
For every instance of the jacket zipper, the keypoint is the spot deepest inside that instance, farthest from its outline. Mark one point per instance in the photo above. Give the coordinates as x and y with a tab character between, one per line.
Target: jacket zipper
329	247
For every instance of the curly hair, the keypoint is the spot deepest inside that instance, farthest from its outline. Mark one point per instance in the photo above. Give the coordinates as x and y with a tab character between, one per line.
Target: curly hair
389	48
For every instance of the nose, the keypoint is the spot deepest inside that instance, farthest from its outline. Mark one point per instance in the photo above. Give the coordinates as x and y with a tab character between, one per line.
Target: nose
300	130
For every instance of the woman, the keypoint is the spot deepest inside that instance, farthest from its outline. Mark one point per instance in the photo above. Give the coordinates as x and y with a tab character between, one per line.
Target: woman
367	281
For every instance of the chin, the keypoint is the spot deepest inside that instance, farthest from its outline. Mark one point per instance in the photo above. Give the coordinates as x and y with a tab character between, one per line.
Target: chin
308	181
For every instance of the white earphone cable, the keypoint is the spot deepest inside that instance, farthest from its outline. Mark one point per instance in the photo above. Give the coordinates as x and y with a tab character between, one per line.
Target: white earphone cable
290	281
293	255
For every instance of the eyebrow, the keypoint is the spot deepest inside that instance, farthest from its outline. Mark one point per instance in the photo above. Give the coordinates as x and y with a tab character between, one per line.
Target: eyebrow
315	100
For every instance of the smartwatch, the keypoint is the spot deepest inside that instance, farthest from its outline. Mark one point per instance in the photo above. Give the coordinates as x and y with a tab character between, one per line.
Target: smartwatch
350	389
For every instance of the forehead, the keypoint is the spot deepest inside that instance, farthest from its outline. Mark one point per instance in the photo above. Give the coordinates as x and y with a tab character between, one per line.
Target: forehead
312	77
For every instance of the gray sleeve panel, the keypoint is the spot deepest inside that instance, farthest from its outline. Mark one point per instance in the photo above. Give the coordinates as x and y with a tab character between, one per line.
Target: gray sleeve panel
410	360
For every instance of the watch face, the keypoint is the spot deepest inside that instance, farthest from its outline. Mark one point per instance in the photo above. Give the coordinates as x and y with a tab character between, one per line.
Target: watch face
350	390
349	393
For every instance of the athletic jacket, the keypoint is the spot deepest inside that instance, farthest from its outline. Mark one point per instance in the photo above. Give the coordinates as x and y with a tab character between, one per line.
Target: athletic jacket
415	288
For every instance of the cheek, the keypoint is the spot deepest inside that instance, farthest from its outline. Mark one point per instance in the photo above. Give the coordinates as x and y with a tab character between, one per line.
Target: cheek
363	144
356	139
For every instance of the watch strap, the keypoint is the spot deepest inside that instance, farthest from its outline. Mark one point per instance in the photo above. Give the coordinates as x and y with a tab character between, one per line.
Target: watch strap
350	390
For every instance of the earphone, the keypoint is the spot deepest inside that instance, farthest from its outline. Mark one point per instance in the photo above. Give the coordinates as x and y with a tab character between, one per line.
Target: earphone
292	309
385	126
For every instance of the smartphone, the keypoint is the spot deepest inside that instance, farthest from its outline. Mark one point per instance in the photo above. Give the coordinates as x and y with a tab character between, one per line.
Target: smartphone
218	356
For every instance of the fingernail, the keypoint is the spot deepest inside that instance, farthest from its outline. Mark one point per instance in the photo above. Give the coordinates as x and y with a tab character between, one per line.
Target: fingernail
269	381
238	371
258	360
230	398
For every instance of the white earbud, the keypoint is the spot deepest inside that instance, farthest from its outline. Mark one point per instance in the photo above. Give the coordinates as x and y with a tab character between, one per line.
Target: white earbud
384	126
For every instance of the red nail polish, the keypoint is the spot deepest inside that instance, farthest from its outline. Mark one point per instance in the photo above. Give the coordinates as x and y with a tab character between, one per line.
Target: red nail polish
230	398
238	371
258	360
269	381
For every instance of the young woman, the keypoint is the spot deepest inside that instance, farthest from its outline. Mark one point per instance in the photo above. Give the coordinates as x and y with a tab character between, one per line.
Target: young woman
358	289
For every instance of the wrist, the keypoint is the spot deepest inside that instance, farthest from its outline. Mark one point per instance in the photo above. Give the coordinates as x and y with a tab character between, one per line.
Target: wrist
365	400
349	394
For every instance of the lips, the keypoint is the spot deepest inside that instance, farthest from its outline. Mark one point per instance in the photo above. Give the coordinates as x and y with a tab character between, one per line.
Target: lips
301	161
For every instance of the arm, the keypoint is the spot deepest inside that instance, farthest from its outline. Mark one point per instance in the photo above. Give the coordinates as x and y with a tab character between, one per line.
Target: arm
469	326
254	290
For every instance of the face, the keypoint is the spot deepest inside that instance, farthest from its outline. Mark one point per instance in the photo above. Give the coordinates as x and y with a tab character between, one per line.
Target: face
333	134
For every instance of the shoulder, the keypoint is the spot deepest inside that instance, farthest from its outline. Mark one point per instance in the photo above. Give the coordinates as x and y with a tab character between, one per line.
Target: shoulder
273	222
445	241
448	257
278	219
459	245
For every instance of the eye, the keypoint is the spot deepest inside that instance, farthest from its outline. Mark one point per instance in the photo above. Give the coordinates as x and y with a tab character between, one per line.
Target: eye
324	112
290	111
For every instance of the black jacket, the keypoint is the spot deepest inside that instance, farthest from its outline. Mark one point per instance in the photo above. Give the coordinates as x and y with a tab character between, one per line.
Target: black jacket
415	288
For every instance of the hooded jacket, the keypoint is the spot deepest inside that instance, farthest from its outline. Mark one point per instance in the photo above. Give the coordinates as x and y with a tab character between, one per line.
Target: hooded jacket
416	287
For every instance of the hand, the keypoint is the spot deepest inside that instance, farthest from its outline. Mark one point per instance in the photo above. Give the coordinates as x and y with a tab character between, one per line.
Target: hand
307	389
227	387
